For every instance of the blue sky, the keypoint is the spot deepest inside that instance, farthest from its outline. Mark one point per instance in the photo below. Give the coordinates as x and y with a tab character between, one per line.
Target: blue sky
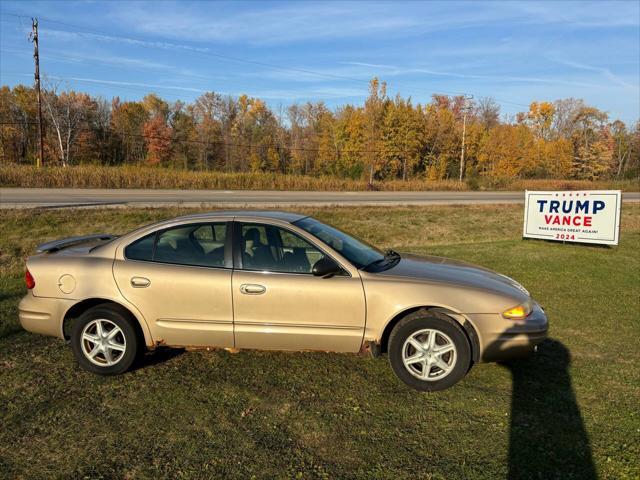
514	51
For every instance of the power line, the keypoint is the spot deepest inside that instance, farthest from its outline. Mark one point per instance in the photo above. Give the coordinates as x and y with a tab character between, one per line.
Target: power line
199	51
132	88
148	44
70	58
164	45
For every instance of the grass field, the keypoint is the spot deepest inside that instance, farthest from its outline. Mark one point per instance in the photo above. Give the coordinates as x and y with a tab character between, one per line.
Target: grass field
568	412
93	176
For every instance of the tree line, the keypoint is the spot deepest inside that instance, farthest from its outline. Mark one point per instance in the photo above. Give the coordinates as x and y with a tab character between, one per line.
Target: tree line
385	138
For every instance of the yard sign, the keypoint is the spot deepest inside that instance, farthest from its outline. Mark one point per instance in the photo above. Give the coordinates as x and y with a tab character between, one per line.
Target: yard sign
584	217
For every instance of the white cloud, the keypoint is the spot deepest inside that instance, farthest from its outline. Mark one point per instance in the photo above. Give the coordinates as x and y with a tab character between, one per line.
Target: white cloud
310	93
606	72
610	14
127	84
306	21
75	36
273	25
393	70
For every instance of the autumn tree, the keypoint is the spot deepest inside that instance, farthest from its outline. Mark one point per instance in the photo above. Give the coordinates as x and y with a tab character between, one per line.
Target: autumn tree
258	133
157	135
206	113
374	109
622	146
350	128
297	127
487	112
68	114
505	151
185	143
156	106
631	168
383	138
540	118
564	119
17	127
593	145
442	140
402	139
127	123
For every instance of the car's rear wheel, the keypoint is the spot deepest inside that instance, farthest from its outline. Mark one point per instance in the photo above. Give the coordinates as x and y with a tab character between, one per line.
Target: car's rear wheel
104	341
429	351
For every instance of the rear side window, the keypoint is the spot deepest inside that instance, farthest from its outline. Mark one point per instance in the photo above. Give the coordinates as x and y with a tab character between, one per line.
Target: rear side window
141	249
200	245
191	245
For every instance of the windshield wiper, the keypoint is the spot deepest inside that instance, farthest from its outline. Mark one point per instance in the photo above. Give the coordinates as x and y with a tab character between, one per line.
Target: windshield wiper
390	257
391	254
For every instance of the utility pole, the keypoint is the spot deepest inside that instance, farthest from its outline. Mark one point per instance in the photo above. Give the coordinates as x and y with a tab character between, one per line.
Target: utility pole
372	153
464	132
36	57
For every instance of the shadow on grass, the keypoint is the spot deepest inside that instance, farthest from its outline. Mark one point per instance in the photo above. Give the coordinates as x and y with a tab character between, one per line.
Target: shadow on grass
547	436
157	356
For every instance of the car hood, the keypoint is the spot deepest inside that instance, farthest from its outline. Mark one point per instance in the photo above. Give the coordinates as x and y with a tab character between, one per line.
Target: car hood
439	269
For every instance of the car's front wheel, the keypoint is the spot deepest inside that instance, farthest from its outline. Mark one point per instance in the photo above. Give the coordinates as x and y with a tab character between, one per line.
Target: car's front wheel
104	341
429	351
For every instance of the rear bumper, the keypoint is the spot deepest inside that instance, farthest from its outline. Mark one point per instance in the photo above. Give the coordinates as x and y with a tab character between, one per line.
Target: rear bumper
43	315
505	339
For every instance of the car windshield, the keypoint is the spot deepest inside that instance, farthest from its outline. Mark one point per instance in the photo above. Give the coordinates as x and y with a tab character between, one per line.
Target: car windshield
358	252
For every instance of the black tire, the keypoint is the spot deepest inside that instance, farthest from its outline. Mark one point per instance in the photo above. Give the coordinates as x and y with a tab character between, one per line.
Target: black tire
127	336
442	323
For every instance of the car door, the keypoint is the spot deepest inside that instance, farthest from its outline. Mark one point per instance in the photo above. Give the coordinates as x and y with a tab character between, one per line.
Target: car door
180	279
279	304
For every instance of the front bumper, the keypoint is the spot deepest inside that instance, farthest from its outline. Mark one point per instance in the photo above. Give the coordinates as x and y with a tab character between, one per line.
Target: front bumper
43	315
503	339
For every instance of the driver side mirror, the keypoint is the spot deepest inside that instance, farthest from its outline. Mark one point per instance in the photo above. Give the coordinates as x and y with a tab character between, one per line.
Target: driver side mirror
325	268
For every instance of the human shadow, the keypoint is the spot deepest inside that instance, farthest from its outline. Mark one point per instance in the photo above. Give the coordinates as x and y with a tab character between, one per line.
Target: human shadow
547	437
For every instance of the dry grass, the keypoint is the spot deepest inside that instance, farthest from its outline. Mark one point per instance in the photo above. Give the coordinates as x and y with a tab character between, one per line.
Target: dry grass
89	176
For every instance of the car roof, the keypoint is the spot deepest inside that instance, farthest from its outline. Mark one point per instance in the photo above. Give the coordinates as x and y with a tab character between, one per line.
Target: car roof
271	214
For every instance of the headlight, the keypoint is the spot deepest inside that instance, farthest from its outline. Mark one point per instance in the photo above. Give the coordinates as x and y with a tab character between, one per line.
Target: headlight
519	312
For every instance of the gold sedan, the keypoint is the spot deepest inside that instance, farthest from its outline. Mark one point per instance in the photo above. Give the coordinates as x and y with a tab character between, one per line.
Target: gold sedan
273	280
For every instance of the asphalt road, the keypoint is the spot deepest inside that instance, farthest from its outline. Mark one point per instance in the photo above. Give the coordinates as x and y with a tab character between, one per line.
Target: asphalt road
73	197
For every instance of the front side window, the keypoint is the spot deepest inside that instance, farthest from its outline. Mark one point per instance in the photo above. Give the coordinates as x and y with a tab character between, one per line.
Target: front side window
356	251
274	249
197	245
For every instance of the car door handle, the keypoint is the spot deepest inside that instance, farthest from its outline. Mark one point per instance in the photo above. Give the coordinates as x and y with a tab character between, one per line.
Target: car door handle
140	282
252	289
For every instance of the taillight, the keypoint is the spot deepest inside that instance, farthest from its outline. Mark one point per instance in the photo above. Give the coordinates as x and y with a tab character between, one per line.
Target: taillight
28	278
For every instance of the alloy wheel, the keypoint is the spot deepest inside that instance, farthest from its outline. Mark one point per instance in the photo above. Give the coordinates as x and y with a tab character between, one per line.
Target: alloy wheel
429	354
103	342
